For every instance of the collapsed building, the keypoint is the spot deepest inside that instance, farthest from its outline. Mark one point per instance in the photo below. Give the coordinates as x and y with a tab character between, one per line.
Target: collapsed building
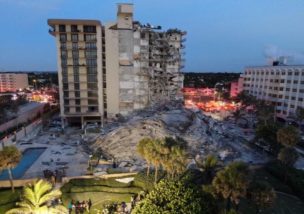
116	68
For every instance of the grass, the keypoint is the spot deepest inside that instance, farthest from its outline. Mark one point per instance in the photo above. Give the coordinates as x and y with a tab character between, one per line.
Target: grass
98	198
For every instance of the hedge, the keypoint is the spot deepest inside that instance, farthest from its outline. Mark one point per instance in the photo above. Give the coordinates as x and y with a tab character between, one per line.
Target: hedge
77	189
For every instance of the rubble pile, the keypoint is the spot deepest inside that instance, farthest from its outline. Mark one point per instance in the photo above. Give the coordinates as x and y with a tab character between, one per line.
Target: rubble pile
203	134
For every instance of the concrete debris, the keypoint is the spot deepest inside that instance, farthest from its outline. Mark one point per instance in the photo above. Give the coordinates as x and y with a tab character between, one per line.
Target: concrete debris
203	134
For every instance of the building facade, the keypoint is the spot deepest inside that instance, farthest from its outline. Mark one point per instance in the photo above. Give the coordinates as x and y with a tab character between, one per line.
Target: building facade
281	85
11	82
116	68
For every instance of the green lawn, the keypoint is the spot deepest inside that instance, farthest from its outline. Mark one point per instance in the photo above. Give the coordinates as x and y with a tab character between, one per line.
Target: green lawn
98	198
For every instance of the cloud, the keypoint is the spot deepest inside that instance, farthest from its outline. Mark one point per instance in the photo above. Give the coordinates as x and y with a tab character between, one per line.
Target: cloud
39	5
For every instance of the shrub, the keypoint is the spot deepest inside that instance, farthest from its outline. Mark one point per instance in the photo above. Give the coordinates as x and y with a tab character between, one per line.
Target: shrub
110	182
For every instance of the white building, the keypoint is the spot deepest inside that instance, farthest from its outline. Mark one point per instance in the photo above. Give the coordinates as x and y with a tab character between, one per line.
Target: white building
282	85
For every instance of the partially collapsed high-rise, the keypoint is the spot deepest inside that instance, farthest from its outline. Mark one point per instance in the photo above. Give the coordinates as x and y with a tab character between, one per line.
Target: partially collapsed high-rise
115	68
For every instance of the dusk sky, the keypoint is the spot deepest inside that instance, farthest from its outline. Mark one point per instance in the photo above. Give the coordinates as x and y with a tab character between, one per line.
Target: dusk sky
222	35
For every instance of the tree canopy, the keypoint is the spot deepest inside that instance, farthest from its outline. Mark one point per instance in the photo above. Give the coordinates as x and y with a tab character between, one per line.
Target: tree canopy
176	197
288	136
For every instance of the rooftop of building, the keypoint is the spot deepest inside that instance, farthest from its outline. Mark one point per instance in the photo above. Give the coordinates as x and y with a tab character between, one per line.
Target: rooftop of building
274	66
52	22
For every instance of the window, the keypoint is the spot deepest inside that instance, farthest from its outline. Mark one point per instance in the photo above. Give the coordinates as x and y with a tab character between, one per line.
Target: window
90	45
93	102
91	54
63	37
77	101
91	62
287	89
288	81
293	98
74	37
61	28
66	109
92	78
77	94
301	90
287	97
75	53
66	102
66	94
65	86
75	61
300	99
90	37
295	81
75	46
289	73
92	109
76	86
92	70
294	90
77	109
92	86
74	28
89	29
64	54
63	45
92	94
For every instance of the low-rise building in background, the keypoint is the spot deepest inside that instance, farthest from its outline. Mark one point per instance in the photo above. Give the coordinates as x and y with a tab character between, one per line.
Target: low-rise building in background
282	85
11	82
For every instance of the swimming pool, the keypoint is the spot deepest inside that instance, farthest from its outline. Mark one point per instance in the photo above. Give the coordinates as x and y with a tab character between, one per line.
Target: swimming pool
29	156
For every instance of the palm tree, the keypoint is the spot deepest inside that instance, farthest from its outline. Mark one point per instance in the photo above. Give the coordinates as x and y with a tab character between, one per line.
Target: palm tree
265	112
156	156
208	165
288	156
144	150
232	182
10	156
262	194
36	199
288	136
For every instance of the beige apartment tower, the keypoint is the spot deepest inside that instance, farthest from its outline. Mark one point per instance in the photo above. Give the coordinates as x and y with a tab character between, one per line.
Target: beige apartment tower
11	82
116	68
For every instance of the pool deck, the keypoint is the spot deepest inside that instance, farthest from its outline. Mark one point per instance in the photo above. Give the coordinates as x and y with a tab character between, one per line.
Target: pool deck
60	151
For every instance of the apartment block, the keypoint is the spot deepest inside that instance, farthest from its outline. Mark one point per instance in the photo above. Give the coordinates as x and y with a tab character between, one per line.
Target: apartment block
10	82
115	68
282	85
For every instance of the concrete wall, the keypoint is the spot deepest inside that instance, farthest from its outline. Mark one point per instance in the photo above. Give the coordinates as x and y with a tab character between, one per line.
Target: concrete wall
22	133
112	67
24	117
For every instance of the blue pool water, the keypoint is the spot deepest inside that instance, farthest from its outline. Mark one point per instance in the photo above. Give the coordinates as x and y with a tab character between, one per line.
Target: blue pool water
29	156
